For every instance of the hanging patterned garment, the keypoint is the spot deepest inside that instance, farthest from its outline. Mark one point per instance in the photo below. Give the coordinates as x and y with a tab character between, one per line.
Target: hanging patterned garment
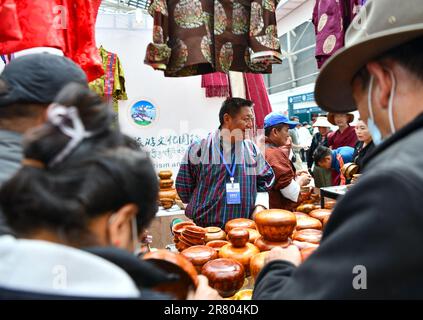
67	25
192	37
256	92
112	84
331	18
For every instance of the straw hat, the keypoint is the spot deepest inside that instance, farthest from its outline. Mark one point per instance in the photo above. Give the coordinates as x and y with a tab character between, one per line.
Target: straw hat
331	117
322	122
380	26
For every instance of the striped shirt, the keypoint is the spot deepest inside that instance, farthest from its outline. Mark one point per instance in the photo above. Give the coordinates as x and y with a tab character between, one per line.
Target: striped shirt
202	179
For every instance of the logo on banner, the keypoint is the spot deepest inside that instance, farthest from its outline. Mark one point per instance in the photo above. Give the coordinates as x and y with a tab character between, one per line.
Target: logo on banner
143	113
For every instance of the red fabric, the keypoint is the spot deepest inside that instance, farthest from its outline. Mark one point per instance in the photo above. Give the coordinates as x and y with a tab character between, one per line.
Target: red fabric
81	45
216	84
348	138
64	24
256	92
10	28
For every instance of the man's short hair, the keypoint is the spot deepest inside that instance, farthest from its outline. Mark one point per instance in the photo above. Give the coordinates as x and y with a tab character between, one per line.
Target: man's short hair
320	153
232	106
409	55
278	127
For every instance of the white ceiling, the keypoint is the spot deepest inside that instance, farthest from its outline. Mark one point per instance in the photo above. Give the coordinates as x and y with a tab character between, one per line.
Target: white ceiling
285	7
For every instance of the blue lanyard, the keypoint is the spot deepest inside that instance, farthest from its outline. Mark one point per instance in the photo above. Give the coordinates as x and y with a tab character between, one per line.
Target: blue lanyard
230	171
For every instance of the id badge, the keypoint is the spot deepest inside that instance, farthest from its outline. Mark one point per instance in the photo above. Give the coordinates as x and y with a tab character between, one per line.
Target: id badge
233	193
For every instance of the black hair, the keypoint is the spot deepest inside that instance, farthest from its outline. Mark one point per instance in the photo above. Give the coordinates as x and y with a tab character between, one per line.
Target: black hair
268	130
320	153
409	55
104	173
232	106
45	142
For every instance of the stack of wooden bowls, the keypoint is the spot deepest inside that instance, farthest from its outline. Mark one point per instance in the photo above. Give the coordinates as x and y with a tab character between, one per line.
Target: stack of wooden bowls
177	233
167	193
193	236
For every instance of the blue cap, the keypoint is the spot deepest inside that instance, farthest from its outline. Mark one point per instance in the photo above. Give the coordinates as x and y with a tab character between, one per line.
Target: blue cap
275	118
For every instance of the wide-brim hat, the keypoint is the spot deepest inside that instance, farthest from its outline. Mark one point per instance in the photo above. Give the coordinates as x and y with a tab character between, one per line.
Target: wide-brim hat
380	25
322	122
331	117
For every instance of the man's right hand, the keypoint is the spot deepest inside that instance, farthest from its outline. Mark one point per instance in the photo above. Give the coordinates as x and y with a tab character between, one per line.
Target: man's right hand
304	180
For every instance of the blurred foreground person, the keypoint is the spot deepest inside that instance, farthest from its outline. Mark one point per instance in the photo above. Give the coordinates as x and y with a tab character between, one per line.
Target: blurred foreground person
83	185
368	249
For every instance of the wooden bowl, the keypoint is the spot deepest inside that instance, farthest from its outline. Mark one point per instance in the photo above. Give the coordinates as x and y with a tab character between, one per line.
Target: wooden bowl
304	222
265	245
320	214
176	264
306	208
240	223
300	214
214	233
167	203
191	234
225	275
167	194
191	241
178	227
275	224
165	174
166	184
254	235
199	255
308	235
195	230
329	204
217	244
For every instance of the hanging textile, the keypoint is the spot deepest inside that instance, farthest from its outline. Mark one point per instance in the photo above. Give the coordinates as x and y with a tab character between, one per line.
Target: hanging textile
80	35
216	84
256	92
10	28
331	18
67	25
237	82
192	37
112	84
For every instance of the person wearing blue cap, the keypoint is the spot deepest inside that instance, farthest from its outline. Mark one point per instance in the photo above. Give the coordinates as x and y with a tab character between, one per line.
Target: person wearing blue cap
285	192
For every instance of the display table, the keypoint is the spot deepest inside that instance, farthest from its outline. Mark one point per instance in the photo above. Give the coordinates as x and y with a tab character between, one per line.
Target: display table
160	227
332	193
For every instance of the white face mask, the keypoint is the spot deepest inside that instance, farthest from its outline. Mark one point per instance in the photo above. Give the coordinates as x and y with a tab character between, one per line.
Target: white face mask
373	128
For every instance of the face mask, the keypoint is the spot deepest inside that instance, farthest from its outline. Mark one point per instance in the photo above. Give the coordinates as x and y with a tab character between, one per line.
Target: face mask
373	128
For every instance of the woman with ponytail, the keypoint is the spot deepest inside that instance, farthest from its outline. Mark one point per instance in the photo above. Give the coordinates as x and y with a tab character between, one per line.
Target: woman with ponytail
83	185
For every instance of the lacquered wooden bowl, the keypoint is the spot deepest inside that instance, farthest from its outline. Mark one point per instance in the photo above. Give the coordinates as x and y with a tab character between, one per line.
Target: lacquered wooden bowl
225	275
